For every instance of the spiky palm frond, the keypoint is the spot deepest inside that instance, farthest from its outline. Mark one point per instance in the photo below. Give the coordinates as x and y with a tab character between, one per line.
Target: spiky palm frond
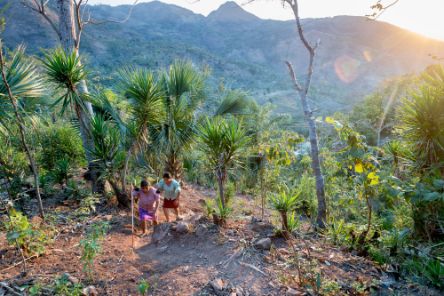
222	140
284	202
22	77
422	121
146	99
65	71
106	140
237	103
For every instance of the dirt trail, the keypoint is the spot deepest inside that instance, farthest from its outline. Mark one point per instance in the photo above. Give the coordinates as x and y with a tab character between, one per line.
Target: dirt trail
186	263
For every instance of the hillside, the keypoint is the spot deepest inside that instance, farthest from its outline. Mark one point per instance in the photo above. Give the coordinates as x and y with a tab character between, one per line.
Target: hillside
242	50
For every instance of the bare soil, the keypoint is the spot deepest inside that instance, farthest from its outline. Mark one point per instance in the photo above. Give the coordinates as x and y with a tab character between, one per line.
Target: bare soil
186	263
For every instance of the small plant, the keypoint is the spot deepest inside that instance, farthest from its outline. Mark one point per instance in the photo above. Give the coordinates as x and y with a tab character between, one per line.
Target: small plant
143	287
433	271
209	207
91	246
221	214
293	222
62	171
284	203
63	287
19	232
88	204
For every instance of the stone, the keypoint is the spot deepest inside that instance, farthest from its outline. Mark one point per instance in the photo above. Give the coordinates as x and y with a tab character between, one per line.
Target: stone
201	230
108	217
71	279
217	285
261	226
263	244
292	292
182	227
90	291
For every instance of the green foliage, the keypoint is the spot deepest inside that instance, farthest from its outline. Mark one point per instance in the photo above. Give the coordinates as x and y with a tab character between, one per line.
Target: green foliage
22	77
59	142
422	121
91	245
143	287
20	233
283	201
65	71
63	287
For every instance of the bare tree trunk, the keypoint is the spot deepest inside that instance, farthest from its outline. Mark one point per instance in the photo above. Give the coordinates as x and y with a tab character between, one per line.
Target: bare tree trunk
21	125
308	114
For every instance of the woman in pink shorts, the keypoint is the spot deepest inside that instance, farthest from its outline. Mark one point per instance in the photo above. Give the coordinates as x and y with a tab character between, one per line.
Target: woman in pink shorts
148	200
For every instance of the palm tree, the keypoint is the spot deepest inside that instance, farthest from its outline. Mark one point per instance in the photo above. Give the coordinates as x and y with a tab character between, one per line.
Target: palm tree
183	89
222	140
422	120
20	79
65	71
146	108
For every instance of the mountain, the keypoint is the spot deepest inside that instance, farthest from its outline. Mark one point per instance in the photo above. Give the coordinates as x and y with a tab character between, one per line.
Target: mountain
243	51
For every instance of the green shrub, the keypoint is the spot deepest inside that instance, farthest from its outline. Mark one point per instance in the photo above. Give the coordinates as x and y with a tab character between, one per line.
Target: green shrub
60	141
19	232
143	286
91	245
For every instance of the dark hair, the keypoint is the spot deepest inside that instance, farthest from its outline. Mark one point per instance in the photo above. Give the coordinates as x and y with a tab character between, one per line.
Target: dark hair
144	183
167	175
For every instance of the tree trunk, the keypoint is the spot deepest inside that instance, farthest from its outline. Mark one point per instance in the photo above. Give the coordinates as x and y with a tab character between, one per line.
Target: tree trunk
122	197
21	125
173	165
69	36
308	114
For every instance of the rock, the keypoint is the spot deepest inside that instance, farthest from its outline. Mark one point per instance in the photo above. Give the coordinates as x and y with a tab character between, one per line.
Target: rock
90	291
217	285
292	292
201	230
239	292
263	244
202	202
195	218
182	227
71	278
161	231
262	227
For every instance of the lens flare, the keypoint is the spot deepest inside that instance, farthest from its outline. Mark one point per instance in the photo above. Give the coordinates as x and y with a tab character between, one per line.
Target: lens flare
346	68
367	56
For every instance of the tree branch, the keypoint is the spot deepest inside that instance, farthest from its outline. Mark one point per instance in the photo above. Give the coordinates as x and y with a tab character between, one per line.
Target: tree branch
100	22
40	8
293	76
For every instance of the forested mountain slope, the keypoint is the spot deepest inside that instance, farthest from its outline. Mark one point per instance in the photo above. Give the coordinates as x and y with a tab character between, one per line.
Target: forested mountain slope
242	50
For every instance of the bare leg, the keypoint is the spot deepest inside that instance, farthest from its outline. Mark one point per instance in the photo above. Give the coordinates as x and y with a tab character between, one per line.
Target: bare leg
167	215
143	225
177	212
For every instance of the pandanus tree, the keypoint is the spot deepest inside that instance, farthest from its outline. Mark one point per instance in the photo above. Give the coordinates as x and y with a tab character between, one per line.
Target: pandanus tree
65	71
146	99
20	80
118	139
183	92
222	140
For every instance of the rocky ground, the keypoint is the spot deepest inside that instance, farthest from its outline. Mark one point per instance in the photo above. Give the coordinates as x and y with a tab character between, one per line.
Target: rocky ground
196	257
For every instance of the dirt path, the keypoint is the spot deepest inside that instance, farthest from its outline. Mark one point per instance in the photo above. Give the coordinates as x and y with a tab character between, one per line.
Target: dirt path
187	263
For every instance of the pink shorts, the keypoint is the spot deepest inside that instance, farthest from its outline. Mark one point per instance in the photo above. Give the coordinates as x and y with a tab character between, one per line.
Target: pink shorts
145	215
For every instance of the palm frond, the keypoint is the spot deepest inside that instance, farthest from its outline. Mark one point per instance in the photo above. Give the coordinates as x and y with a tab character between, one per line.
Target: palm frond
22	77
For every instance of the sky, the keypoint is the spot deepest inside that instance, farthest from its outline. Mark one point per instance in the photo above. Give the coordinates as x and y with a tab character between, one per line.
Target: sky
424	18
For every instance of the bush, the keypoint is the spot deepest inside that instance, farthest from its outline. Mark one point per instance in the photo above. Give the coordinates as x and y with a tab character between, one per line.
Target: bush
20	233
60	141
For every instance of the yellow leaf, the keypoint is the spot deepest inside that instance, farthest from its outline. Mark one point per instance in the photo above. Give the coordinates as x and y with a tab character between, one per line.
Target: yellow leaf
375	181
359	168
329	120
372	176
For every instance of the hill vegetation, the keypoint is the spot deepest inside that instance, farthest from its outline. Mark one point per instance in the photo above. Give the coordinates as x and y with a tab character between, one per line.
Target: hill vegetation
252	216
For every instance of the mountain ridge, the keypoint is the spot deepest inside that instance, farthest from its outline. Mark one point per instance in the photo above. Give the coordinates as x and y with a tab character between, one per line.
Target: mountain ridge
243	50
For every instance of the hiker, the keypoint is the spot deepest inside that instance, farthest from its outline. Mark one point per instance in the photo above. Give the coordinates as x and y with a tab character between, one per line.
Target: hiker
148	199
171	192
